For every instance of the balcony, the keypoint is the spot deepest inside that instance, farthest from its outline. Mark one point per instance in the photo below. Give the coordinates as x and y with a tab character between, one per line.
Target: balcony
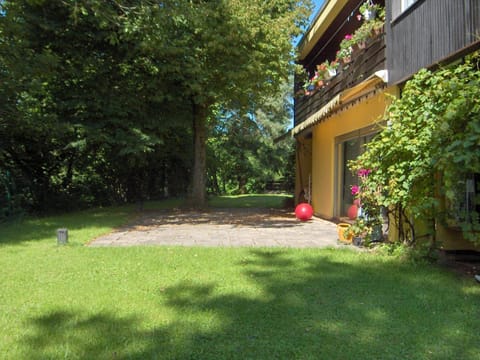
365	62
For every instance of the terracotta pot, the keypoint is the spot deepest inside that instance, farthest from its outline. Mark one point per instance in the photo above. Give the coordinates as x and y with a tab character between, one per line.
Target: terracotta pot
319	84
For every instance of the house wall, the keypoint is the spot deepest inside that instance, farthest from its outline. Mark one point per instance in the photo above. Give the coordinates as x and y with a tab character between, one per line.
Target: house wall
428	32
356	117
452	239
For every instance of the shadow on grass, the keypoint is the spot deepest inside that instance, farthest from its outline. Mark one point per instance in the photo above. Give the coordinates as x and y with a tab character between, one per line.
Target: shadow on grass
318	308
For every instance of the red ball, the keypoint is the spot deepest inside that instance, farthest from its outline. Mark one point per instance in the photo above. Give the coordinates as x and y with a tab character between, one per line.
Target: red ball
352	212
303	212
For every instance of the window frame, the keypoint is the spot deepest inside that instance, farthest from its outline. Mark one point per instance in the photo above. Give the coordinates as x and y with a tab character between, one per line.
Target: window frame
400	8
406	4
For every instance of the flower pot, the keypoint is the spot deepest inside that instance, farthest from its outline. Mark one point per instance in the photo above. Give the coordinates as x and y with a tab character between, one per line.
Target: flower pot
341	227
319	84
332	72
377	31
377	233
362	45
369	14
357	241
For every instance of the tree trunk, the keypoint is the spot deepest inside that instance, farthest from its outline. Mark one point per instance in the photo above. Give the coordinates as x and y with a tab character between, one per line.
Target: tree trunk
198	195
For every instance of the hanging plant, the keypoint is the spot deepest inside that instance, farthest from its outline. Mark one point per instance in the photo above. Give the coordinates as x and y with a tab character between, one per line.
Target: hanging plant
369	10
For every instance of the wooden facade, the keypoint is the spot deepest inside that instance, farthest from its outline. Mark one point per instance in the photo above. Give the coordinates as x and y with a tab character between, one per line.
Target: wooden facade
365	63
327	45
429	32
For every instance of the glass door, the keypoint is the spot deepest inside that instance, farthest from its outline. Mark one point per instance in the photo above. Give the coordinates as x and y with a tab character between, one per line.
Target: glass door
348	148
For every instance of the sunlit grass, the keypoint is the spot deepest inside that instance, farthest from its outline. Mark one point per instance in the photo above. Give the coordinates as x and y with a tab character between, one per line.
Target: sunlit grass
250	201
77	302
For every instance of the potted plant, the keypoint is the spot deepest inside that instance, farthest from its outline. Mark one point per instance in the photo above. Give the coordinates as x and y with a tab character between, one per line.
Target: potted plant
327	69
345	53
377	25
317	80
361	35
332	67
308	87
369	10
368	224
357	231
322	69
344	234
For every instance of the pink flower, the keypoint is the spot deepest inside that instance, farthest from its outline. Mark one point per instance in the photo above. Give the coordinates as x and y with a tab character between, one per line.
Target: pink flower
359	17
348	37
364	172
355	190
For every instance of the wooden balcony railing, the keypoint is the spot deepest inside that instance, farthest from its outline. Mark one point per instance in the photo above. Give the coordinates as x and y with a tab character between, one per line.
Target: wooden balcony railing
365	62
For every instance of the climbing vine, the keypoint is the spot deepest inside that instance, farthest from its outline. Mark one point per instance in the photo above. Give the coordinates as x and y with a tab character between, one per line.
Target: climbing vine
428	147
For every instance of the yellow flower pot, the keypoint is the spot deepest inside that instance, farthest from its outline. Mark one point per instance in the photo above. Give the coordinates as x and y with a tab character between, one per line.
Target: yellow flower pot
341	227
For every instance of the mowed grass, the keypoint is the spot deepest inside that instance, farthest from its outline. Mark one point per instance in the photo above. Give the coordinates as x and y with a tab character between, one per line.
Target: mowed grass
76	302
249	201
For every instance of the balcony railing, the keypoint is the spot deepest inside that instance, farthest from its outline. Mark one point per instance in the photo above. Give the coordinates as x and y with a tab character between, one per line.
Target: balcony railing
365	62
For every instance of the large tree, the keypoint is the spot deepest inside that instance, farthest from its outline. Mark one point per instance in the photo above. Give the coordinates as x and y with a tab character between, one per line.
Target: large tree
227	52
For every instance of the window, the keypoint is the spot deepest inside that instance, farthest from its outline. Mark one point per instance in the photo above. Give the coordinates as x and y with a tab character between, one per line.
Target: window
406	4
464	208
400	6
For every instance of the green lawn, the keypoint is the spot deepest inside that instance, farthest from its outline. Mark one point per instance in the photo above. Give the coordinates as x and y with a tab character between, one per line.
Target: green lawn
76	302
249	201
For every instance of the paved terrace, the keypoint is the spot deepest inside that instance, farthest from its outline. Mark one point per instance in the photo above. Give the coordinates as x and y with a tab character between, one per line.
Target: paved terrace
223	227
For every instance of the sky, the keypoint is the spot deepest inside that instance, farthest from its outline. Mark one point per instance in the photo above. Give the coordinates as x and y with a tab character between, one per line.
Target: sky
317	5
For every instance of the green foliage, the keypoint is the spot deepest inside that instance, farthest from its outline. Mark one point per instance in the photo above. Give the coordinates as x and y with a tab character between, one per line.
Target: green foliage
11	200
98	97
88	118
429	145
242	155
420	253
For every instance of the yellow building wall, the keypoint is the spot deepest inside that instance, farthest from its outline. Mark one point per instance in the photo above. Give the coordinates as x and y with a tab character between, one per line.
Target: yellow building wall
317	157
356	117
452	239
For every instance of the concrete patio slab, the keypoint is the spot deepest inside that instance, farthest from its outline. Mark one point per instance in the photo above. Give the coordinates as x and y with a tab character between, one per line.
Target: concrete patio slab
223	227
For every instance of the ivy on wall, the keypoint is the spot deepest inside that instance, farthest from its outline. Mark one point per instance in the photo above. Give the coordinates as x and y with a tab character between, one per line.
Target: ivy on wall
428	148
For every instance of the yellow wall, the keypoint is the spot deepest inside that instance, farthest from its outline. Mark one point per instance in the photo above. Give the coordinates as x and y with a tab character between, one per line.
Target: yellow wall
317	156
358	116
452	239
